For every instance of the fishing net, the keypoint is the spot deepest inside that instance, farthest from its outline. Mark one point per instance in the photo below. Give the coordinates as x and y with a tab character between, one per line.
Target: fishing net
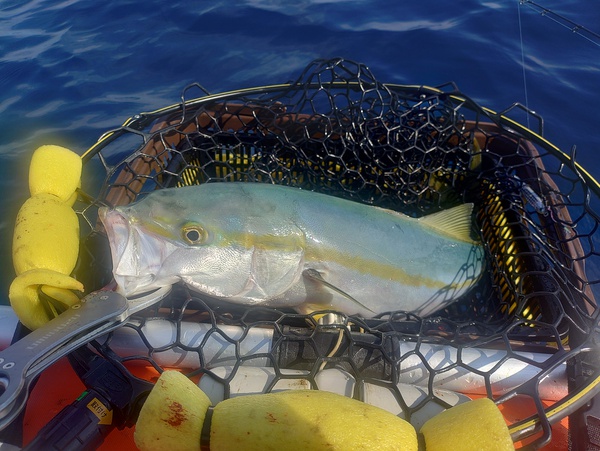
519	337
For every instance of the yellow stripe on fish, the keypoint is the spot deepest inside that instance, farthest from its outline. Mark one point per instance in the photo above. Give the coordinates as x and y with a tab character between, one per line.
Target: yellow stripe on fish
351	261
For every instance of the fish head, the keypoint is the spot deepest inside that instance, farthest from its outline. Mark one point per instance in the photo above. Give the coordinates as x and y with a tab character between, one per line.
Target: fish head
138	248
211	245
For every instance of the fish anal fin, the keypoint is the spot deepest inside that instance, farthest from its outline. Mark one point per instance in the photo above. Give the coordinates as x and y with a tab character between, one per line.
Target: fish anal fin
455	223
316	277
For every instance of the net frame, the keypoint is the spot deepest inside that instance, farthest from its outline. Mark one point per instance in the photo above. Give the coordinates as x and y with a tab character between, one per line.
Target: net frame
415	149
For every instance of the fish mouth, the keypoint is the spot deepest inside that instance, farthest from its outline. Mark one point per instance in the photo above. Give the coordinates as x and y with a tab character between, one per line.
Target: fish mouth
136	257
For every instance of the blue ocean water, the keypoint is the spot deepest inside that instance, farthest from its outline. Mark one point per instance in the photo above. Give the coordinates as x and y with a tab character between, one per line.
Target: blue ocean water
72	69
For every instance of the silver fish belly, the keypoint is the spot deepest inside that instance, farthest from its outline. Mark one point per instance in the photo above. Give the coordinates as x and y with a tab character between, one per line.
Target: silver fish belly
261	244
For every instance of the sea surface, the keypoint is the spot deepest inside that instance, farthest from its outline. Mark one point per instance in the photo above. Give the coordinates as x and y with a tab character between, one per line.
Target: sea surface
70	70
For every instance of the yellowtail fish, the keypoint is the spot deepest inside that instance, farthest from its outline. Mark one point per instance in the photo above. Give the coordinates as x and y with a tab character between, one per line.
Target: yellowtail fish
270	245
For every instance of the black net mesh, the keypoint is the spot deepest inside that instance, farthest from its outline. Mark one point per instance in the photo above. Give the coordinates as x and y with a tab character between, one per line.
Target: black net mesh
417	150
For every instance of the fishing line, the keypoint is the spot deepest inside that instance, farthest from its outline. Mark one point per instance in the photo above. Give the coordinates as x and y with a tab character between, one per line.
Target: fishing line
582	31
523	63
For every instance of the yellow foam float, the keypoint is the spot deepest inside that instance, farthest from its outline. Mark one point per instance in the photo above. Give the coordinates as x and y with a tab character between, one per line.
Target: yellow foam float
46	237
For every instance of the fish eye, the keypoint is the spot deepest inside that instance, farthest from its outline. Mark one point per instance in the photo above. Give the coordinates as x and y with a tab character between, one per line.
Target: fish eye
194	234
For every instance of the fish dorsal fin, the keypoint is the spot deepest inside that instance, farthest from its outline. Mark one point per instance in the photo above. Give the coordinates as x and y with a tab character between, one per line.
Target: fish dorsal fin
455	223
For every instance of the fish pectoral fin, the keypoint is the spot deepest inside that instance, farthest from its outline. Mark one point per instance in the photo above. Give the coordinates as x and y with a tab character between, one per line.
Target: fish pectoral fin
455	223
316	277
